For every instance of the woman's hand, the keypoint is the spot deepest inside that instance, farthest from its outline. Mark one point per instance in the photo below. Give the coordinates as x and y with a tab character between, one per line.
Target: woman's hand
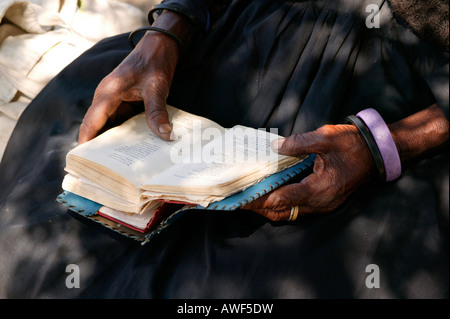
144	75
343	163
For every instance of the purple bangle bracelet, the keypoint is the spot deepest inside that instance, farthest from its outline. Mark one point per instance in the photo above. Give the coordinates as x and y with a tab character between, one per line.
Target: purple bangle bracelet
385	142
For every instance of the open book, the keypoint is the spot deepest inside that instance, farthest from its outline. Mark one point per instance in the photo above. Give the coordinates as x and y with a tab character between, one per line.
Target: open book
130	171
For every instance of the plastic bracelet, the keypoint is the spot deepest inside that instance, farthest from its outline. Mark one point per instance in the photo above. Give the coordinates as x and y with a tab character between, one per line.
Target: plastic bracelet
370	142
384	141
132	34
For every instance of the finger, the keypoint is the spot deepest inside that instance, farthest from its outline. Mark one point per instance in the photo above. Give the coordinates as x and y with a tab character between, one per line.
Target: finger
301	144
283	215
158	120
277	204
294	145
156	112
96	117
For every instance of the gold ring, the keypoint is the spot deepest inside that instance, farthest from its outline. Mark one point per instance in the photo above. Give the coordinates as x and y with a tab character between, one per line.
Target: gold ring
294	214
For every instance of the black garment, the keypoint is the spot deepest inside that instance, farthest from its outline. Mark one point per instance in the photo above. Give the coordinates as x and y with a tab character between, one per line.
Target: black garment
293	65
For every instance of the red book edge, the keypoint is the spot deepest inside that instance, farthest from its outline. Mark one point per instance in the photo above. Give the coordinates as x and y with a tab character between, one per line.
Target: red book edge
163	211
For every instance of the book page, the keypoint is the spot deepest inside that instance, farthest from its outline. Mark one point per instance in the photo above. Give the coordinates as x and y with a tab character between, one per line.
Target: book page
134	152
92	191
139	221
239	153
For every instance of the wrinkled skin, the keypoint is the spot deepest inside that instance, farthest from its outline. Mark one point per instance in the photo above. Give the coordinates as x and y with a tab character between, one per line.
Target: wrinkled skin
343	161
145	75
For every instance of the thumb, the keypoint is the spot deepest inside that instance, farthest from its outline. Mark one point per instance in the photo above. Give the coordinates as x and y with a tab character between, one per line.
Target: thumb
296	144
157	116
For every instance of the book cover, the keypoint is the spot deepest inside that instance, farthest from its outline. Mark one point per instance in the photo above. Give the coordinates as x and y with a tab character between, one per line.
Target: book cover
167	213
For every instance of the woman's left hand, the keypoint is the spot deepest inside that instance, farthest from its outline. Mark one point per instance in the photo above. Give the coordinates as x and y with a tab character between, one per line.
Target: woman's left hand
343	162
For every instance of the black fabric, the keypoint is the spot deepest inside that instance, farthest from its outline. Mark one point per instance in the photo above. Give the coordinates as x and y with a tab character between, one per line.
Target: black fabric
291	65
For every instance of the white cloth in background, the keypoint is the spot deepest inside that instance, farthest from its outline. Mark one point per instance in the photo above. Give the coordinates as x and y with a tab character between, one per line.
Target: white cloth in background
38	38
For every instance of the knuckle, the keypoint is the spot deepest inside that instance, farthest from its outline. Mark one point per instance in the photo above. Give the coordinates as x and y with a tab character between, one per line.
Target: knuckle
292	143
326	130
277	217
154	113
158	84
296	139
280	200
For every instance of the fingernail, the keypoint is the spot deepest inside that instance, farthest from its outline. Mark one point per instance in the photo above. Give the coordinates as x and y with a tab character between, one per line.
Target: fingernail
165	128
275	145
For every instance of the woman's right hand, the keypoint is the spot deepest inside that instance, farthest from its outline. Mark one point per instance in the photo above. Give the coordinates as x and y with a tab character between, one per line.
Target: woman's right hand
144	75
